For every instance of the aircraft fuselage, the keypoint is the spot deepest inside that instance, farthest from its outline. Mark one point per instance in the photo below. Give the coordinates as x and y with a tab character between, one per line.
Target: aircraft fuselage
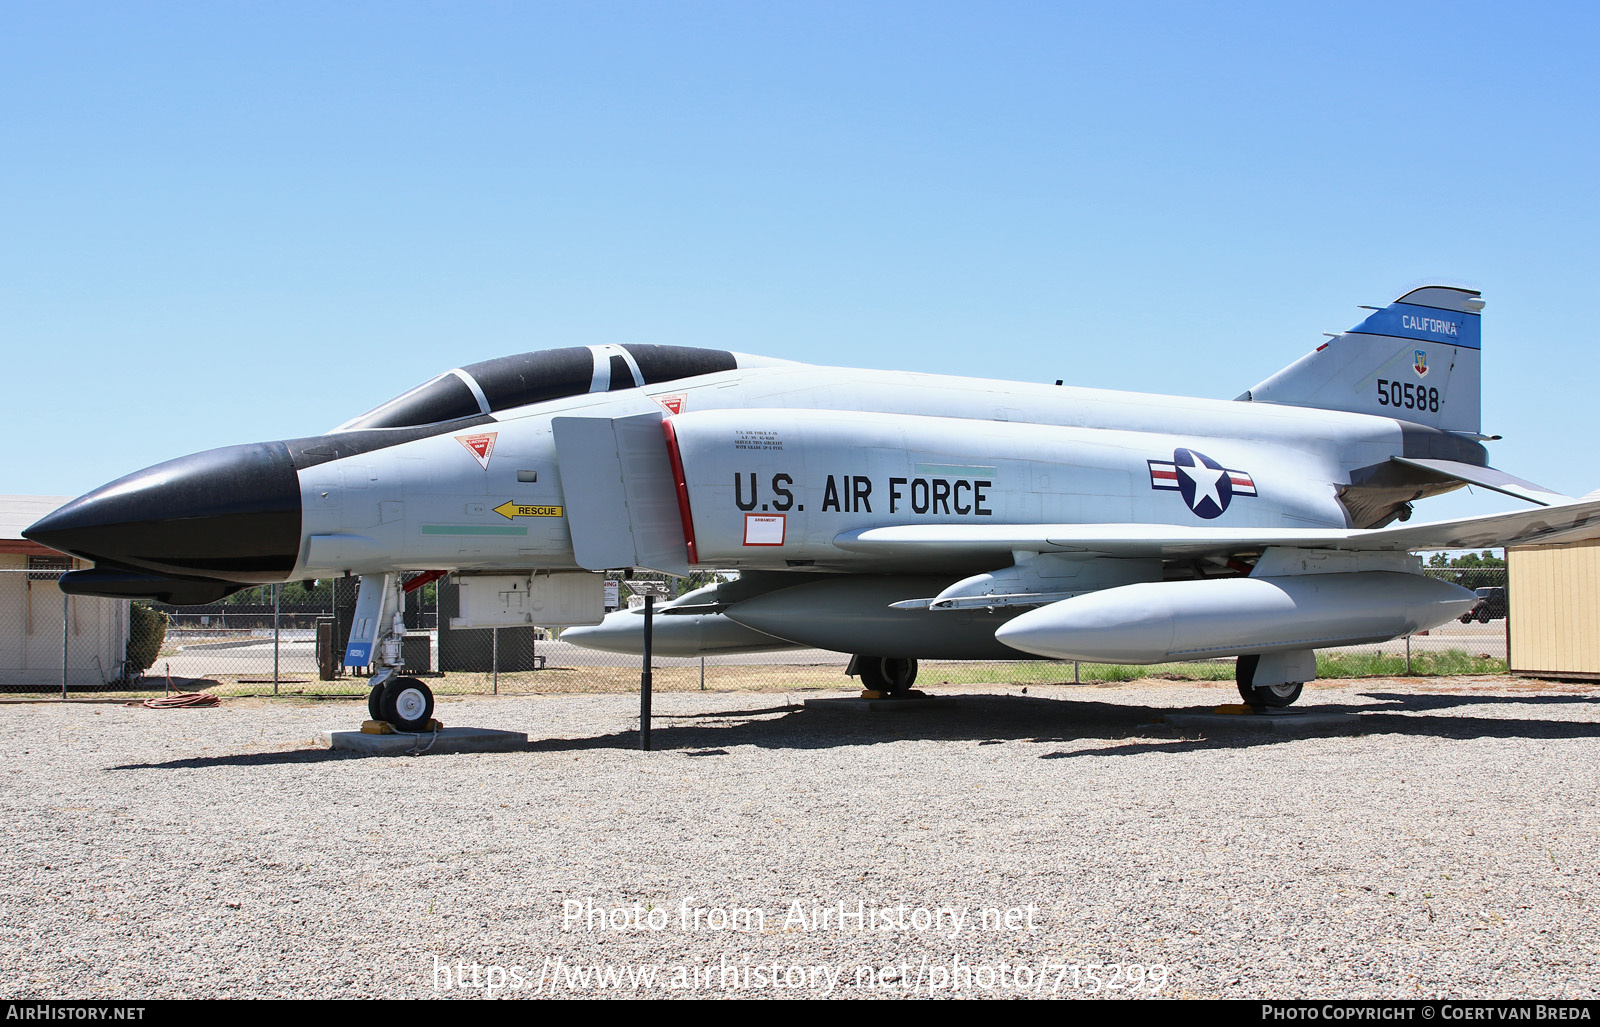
780	460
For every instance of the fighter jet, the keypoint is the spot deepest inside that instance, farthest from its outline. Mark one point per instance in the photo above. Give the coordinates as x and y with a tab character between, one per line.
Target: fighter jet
896	516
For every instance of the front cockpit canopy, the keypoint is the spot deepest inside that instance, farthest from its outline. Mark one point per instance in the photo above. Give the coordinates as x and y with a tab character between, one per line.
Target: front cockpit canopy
503	383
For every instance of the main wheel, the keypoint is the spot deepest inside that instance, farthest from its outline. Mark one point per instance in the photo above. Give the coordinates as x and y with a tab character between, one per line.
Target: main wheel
375	703
1271	696
885	674
407	704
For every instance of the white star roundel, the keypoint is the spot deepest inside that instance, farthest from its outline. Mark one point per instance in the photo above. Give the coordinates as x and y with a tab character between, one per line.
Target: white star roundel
1205	485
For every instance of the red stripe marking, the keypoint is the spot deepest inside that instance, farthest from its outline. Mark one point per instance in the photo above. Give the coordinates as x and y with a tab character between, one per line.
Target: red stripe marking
422	579
682	484
1241	479
1164	474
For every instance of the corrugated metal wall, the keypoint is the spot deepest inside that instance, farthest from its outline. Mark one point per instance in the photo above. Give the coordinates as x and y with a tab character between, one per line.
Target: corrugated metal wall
1554	594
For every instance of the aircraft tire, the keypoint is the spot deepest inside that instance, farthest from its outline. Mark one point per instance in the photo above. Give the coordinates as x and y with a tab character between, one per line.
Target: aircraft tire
375	703
407	704
1267	696
887	674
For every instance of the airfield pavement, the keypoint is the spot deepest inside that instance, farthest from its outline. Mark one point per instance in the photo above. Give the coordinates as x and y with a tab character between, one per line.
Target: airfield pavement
1442	842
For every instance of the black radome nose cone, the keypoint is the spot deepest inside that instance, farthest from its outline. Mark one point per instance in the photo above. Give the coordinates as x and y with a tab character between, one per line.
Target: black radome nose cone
230	513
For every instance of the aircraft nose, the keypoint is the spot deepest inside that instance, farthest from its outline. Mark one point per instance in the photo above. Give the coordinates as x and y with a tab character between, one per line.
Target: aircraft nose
230	513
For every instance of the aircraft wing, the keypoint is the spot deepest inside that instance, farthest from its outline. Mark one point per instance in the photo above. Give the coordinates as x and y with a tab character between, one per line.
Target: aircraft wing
1564	522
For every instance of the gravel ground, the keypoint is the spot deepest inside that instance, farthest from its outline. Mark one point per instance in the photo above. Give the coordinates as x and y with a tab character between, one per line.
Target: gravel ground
1443	844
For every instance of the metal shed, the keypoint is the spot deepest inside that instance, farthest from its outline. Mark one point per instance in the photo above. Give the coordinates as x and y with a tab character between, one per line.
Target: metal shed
1554	596
48	640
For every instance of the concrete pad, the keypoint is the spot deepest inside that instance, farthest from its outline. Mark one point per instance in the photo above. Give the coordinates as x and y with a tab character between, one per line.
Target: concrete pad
451	739
1260	720
854	705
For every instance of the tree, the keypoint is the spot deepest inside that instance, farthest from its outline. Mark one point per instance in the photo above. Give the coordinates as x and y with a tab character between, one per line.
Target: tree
1470	570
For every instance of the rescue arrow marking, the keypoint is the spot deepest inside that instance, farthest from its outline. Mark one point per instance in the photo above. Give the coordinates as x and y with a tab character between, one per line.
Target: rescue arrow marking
509	509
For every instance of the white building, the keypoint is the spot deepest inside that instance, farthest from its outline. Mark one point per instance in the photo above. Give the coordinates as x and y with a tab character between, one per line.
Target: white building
38	630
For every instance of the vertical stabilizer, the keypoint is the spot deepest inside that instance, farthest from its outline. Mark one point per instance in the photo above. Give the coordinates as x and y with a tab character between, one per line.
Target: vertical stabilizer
1415	360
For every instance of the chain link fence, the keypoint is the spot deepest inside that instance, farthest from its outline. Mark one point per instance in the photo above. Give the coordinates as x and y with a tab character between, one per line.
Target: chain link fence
260	643
50	641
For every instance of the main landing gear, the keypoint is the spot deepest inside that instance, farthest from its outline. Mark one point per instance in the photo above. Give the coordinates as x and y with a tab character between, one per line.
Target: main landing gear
890	675
1270	696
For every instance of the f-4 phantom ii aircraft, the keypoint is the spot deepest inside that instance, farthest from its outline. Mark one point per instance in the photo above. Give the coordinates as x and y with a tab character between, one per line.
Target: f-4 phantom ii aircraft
895	516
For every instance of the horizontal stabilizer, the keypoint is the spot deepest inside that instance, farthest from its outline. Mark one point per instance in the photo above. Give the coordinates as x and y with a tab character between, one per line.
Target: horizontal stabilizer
1564	522
1486	477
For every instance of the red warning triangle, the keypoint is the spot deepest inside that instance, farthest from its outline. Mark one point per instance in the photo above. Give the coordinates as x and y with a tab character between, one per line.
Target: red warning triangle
672	404
480	446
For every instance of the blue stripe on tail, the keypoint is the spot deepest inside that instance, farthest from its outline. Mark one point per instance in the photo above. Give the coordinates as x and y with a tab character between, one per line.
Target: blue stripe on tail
1424	324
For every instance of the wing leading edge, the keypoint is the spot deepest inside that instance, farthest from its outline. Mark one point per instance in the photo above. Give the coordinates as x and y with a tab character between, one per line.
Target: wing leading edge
1564	522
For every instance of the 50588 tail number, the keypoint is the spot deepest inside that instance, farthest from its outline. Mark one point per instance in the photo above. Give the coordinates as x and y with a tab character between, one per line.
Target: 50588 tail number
1407	395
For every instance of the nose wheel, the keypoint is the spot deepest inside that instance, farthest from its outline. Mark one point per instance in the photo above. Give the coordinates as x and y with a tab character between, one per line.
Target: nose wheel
404	702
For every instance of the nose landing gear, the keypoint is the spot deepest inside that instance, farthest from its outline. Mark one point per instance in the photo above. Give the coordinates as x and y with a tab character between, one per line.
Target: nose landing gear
403	702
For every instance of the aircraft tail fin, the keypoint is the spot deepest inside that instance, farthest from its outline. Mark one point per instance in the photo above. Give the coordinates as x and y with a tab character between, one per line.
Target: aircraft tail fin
1415	360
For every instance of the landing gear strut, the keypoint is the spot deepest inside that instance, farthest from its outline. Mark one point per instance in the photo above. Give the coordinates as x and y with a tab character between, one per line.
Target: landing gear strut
404	702
890	675
1270	696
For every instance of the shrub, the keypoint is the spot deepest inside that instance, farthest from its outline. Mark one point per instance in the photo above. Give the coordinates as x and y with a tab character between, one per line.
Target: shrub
147	629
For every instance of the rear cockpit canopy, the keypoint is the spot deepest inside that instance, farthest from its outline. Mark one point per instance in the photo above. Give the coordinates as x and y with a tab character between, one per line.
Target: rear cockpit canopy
503	383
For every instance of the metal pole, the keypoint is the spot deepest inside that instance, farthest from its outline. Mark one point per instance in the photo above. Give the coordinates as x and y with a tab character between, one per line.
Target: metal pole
1408	656
1075	669
122	639
65	599
494	656
1506	629
644	677
702	673
277	624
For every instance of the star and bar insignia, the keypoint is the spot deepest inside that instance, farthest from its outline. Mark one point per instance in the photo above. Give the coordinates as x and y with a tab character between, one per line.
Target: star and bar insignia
1206	486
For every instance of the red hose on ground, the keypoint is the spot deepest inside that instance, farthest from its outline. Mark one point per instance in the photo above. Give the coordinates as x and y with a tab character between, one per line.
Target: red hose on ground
182	699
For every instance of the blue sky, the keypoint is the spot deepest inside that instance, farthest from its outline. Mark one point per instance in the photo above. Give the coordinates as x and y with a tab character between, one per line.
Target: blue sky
231	222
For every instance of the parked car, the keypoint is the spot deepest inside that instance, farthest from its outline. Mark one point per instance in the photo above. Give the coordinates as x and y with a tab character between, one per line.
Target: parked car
1491	605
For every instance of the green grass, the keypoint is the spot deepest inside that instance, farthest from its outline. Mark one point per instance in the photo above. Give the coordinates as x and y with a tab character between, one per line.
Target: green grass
1451	662
1043	673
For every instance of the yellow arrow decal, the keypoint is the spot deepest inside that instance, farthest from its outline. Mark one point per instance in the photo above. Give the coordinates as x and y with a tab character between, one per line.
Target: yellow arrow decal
508	510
